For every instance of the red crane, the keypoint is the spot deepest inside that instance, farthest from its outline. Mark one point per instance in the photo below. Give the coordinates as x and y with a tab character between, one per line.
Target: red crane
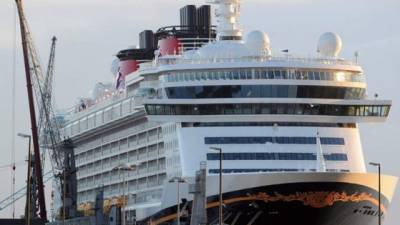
32	65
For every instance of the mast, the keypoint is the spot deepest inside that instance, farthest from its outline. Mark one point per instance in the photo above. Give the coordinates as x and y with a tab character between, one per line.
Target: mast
227	16
35	140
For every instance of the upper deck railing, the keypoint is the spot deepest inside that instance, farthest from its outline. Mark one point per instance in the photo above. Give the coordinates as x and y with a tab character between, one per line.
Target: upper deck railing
178	60
76	112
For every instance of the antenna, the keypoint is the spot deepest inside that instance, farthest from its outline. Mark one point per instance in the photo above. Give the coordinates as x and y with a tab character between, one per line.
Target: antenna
356	56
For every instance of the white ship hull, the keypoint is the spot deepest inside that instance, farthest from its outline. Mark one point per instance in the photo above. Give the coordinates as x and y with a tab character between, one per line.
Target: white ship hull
287	198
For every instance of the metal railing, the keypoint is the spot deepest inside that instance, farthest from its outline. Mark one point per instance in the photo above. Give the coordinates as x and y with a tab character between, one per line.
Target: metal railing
258	59
266	59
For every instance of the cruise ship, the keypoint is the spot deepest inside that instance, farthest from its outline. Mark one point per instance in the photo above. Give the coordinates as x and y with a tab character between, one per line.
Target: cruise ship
287	127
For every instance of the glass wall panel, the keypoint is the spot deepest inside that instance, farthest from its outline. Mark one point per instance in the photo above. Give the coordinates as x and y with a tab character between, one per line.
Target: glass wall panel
108	115
75	128
275	156
264	91
216	171
116	111
264	73
283	109
99	118
277	140
83	123
91	121
126	107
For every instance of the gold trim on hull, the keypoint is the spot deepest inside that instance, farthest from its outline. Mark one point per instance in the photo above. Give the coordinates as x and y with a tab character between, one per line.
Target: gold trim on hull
319	199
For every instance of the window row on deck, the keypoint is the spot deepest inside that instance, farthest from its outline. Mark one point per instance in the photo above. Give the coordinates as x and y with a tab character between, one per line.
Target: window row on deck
263	73
273	140
269	109
267	124
275	156
264	91
260	170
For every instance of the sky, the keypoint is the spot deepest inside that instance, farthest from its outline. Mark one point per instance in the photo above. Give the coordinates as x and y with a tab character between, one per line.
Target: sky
91	32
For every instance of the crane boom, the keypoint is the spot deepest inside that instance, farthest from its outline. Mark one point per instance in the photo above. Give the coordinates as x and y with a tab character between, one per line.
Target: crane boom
35	138
48	124
60	151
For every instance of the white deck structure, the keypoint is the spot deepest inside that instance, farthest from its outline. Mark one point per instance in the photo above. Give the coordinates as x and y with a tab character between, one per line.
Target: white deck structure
263	110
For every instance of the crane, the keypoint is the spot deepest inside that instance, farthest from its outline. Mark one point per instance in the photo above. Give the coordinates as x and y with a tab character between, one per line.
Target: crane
45	99
32	187
44	143
32	67
48	124
60	150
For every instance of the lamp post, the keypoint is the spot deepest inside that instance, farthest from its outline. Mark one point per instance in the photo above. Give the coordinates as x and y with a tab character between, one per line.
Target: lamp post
28	186
124	167
28	199
379	190
220	183
178	180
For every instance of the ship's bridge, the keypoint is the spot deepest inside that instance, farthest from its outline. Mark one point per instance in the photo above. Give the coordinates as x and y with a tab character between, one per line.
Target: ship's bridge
262	89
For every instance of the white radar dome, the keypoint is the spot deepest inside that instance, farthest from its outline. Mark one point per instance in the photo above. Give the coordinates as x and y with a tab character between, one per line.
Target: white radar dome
329	45
258	41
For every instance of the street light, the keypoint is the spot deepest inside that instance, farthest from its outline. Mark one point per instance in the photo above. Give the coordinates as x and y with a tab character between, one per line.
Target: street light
24	135
220	183
178	180
28	186
379	190
124	167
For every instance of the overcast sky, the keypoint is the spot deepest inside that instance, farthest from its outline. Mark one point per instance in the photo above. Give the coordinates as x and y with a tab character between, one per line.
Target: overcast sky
90	32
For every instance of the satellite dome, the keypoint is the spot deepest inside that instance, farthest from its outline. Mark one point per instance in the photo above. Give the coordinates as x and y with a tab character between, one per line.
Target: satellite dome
258	41
329	44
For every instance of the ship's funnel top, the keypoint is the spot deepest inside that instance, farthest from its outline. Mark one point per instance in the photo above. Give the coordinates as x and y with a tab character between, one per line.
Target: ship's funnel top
227	15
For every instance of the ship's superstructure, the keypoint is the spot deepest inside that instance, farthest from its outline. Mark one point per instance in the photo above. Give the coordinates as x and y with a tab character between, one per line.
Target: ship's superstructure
279	120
